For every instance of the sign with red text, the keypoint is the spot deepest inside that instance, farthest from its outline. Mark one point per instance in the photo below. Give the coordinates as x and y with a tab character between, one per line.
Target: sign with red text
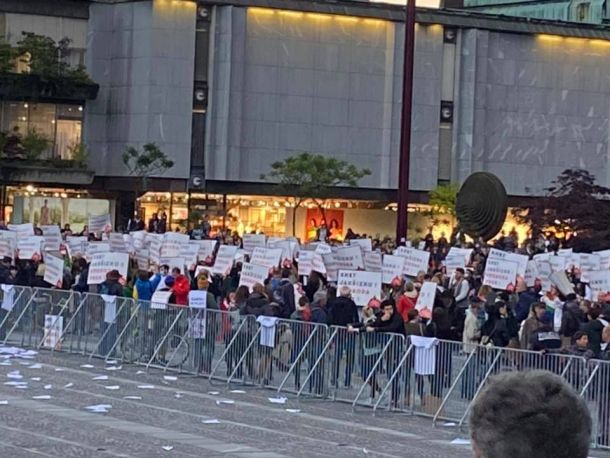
500	273
52	237
364	286
425	299
30	247
391	268
519	259
54	271
100	223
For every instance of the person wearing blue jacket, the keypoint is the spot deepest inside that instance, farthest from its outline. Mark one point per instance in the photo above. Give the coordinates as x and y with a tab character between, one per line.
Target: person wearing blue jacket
145	286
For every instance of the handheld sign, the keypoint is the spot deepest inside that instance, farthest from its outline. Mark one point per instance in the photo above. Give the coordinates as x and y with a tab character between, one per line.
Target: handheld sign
252	274
54	271
364	286
198	299
425	299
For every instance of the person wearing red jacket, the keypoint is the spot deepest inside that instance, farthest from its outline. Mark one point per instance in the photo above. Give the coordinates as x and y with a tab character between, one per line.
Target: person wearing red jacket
181	288
406	300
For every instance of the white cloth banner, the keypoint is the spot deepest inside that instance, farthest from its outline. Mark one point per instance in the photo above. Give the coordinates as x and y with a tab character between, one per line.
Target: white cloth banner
224	259
500	273
252	274
100	223
415	260
30	246
8	297
266	257
372	261
251	241
425	355
54	270
102	263
363	285
392	268
267	334
349	258
520	259
109	308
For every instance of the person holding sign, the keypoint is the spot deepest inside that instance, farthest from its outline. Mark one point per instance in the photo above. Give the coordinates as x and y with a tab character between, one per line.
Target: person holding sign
203	324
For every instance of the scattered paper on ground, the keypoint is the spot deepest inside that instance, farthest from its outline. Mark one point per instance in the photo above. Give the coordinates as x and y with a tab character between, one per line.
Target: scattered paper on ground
48	387
167	448
237	391
87	366
133	398
59	369
113	387
224	401
146	387
69	385
449	424
178	395
293	410
170	378
44	396
214	393
100	377
111	362
3	403
36	366
140	372
14	375
281	400
35	379
114	368
99	408
15	383
211	422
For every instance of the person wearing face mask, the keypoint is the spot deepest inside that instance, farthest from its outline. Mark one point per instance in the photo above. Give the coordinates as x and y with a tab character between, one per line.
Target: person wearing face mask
164	272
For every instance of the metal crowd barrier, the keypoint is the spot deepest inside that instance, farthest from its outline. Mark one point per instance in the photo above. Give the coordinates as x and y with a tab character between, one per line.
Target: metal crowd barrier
11	306
596	392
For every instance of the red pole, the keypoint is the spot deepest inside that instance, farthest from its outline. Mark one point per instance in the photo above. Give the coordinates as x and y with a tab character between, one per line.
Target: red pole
405	132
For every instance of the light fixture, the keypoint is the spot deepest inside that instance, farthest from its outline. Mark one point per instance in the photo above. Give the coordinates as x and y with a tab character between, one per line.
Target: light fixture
29	188
337	204
56	194
80	108
78	196
64	195
25	105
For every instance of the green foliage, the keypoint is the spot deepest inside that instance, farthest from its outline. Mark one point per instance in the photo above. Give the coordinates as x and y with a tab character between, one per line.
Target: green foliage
48	59
7	56
34	144
307	175
442	199
79	153
150	161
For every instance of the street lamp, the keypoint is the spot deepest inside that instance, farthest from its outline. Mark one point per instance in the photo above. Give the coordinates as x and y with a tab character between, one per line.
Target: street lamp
405	131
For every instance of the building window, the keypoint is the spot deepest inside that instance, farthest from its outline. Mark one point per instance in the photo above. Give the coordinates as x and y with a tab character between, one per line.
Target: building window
582	12
60	124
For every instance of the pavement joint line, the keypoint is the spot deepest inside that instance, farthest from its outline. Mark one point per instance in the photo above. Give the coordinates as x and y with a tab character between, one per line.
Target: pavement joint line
30	450
60	440
128	426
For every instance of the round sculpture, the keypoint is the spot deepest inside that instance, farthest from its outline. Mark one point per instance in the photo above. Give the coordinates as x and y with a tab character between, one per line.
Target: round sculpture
481	205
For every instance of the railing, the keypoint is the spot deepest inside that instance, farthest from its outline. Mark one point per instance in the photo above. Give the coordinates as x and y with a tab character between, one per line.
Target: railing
383	371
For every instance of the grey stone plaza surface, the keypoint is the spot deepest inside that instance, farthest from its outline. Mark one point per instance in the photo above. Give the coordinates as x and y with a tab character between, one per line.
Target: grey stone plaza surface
169	419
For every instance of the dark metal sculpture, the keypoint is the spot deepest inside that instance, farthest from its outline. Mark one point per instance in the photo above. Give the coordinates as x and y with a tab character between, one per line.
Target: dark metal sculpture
481	205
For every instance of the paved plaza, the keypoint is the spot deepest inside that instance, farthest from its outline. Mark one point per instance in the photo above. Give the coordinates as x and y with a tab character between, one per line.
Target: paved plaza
48	409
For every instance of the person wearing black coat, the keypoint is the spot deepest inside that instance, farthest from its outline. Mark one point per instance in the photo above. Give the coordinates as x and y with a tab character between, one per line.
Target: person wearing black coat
256	302
594	328
343	310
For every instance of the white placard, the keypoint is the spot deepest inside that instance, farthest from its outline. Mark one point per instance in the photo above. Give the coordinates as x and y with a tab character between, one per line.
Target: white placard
392	268
251	241
364	286
288	247
542	257
52	237
589	262
604	259
160	299
599	281
102	263
558	263
198	299
415	260
77	245
317	264
138	239
142	259
323	248
53	328
306	262
266	257
8	243
452	262
100	223
154	247
109	308
332	269
252	274
94	248
560	280
189	252
520	259
206	250
465	253
30	246
172	243
372	261
349	258
364	244
54	270
224	259
24	229
173	263
8	297
500	273
425	299
531	273
117	242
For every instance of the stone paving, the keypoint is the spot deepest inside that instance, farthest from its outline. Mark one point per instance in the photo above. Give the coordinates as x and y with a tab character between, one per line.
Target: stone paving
185	416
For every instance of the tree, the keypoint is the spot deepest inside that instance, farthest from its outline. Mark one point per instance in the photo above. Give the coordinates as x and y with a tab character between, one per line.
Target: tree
442	199
312	176
150	161
574	205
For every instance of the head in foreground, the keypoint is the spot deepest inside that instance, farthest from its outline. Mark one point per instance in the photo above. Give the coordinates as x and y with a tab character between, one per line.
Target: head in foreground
530	414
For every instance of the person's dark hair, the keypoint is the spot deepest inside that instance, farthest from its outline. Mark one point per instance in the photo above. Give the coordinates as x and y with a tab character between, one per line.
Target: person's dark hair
331	293
412	314
594	312
388	302
176	271
578	335
241	294
530	414
303	301
285	273
143	275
